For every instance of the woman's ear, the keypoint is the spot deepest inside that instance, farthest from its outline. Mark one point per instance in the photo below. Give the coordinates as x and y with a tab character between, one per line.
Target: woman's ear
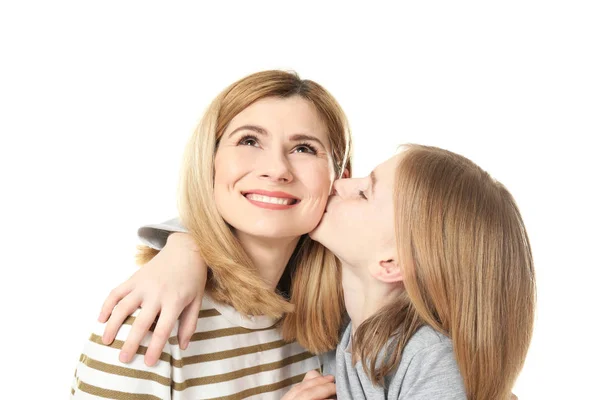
346	173
388	271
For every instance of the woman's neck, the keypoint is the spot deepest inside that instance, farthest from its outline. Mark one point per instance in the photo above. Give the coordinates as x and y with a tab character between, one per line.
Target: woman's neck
363	294
270	256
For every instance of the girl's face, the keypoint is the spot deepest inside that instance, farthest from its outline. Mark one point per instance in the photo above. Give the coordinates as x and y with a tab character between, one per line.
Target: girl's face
358	225
273	169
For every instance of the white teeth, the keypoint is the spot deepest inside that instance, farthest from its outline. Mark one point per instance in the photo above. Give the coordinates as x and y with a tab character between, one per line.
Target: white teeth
267	199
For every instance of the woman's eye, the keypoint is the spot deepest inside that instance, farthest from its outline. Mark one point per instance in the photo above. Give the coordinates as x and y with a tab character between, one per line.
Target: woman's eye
306	148
249	141
361	193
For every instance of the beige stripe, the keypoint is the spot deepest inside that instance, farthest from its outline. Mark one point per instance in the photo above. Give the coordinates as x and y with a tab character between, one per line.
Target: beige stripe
179	363
221	355
122	371
203	314
207	380
131	319
219	333
113	394
262	389
202	335
118	344
208	313
72	392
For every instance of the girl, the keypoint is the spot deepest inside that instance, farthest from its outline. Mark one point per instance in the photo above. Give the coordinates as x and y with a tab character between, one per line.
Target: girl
447	279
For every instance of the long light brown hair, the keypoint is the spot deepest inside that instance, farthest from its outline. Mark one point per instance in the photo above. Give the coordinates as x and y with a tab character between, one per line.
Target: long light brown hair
468	272
311	281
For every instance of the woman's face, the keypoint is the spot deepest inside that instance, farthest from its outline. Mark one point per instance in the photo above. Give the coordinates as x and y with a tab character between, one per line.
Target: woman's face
273	169
358	225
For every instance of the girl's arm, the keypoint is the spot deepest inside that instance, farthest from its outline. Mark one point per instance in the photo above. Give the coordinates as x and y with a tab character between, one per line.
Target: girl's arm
168	286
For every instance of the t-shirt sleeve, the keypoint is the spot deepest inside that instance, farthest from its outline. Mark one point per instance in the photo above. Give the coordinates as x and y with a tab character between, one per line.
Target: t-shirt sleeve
156	235
100	373
433	374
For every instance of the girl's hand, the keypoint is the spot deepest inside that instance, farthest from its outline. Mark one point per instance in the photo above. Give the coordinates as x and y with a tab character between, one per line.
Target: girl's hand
313	387
171	284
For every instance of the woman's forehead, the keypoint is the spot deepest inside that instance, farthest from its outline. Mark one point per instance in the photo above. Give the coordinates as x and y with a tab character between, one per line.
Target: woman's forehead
292	110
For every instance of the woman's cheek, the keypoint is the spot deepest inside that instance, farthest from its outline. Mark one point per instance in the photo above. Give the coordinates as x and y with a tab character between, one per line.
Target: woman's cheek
323	188
325	177
231	165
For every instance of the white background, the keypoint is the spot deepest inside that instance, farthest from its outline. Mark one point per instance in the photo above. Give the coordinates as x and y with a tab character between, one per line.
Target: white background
97	100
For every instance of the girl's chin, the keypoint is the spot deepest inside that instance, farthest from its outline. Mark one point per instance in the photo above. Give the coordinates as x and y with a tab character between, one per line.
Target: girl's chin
316	229
315	233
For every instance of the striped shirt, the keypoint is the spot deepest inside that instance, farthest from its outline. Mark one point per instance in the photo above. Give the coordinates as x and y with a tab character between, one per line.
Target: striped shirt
229	357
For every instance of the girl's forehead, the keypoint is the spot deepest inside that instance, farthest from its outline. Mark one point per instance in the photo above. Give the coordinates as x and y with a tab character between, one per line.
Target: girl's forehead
388	166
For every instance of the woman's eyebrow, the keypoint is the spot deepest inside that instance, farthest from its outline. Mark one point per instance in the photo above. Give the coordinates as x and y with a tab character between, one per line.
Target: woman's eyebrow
300	137
255	128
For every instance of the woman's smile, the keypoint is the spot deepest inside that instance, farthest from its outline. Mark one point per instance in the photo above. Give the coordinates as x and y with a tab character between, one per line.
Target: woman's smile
271	200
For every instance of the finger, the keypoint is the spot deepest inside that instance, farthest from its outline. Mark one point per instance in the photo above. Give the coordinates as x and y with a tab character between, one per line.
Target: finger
162	332
312	374
309	384
188	322
113	299
122	310
321	391
139	329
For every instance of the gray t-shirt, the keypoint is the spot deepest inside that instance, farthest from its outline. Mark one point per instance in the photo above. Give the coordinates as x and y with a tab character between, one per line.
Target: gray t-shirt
156	235
427	370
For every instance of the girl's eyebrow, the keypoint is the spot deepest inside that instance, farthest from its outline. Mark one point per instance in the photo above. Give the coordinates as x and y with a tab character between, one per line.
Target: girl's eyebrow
255	128
373	181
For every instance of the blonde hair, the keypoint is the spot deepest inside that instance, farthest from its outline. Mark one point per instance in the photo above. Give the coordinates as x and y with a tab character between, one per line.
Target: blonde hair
312	277
468	272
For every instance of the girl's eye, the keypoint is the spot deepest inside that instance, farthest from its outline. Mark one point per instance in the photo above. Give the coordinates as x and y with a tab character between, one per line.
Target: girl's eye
249	140
306	148
361	193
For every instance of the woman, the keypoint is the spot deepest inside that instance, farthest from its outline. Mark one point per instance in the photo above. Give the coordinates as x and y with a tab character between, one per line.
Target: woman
438	282
257	173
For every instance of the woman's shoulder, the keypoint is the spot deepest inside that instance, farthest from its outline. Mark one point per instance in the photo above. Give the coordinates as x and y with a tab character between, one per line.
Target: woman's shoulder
230	314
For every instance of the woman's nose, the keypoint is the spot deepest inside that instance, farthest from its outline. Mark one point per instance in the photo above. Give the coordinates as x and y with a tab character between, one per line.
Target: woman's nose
275	167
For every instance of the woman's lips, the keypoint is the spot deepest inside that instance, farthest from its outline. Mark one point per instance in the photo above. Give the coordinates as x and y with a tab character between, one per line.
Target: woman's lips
271	200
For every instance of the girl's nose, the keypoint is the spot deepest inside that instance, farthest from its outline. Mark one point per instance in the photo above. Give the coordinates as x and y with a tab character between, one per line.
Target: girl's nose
343	187
349	187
